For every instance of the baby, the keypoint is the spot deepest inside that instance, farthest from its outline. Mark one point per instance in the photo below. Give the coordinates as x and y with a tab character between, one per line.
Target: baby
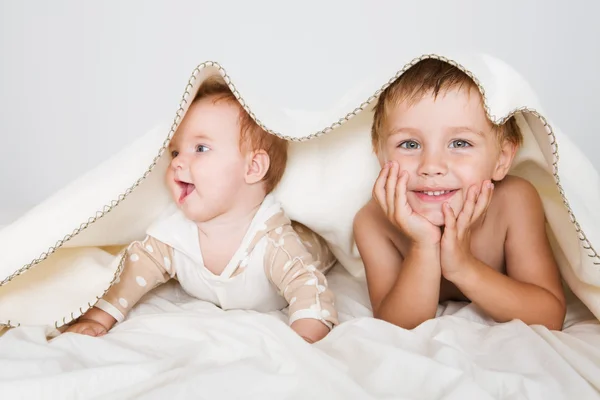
446	222
228	240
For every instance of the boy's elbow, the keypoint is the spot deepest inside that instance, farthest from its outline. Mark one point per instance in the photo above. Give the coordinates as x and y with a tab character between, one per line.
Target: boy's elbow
552	318
395	318
556	314
554	324
557	319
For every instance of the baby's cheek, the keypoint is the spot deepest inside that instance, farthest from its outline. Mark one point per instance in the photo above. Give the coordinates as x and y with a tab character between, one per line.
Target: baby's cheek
170	183
168	175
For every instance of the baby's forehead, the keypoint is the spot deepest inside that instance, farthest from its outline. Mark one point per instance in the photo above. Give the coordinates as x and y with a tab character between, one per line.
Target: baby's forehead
191	136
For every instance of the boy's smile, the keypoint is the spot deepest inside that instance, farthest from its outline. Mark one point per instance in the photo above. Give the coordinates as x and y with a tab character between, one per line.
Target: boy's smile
434	195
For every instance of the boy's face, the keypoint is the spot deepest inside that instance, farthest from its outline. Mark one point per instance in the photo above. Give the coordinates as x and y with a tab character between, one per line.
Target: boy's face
447	145
207	168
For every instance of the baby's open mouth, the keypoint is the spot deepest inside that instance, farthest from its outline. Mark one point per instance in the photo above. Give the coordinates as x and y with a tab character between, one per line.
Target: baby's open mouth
186	189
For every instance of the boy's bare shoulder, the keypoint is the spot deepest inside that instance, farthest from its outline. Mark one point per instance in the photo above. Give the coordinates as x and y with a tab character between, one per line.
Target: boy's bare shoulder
370	217
517	196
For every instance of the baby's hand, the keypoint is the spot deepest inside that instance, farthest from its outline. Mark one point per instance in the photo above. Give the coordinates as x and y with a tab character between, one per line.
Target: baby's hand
88	327
390	192
456	240
311	330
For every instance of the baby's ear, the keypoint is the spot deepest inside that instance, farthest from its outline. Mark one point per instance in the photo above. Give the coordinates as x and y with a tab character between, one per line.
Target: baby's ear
258	165
508	150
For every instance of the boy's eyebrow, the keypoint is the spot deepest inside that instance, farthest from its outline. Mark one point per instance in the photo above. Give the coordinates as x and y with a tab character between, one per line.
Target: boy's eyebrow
456	129
452	130
404	129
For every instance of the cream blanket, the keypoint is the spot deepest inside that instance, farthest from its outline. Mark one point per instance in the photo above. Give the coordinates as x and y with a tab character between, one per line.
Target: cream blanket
59	258
176	347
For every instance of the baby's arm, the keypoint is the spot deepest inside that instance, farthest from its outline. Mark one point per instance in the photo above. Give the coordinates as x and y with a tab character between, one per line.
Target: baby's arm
532	291
403	291
147	265
292	269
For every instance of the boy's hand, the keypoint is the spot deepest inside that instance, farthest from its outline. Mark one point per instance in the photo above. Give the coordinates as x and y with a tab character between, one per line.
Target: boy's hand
390	192
456	240
88	327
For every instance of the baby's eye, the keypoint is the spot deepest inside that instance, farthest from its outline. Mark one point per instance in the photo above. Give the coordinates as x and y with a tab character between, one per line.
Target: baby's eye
202	149
459	144
174	153
410	145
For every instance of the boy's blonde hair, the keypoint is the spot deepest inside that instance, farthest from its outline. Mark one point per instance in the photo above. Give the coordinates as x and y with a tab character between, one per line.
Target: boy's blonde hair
252	136
430	76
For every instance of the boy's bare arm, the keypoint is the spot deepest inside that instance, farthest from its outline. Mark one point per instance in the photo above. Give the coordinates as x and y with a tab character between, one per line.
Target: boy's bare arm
403	291
532	291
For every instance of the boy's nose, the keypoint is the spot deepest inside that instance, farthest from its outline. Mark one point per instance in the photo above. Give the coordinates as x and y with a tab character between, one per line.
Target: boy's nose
433	164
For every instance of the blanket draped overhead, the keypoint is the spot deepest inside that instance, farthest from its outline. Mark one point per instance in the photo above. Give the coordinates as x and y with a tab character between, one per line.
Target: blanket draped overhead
63	255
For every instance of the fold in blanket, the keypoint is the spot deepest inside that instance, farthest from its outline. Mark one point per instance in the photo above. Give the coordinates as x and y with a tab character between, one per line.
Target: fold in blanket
62	256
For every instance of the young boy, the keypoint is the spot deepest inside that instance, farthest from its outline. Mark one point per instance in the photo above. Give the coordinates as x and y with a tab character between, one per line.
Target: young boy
228	240
446	222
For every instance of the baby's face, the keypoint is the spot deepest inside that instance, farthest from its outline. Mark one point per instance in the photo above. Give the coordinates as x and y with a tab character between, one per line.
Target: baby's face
207	168
447	145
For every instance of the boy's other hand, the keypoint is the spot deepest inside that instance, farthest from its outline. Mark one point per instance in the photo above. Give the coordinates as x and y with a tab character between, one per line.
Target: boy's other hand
456	241
390	193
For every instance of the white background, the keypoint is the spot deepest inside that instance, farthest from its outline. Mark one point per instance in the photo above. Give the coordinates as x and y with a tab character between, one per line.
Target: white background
81	79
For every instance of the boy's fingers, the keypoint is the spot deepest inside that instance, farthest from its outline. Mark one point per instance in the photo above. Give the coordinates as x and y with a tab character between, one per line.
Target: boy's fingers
466	215
449	219
379	187
390	188
401	201
484	200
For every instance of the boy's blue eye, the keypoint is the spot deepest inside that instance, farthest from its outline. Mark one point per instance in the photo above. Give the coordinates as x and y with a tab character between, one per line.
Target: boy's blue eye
174	153
459	144
202	149
410	145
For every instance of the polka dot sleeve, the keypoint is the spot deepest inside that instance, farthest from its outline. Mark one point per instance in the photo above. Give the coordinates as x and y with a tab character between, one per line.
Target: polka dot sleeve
148	264
297	275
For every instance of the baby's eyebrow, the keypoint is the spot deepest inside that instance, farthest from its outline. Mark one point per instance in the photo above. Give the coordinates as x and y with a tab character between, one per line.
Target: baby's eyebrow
203	137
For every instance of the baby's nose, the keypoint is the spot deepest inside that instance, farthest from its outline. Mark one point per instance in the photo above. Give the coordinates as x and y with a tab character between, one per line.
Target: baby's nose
179	162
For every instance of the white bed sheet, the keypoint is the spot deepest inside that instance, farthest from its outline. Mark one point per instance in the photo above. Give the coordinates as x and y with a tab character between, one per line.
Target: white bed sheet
175	347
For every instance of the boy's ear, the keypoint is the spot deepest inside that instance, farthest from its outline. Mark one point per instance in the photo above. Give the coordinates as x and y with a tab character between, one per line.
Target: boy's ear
258	165
508	151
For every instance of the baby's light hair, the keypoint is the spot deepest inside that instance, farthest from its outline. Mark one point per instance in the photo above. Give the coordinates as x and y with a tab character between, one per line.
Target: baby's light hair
429	77
252	136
